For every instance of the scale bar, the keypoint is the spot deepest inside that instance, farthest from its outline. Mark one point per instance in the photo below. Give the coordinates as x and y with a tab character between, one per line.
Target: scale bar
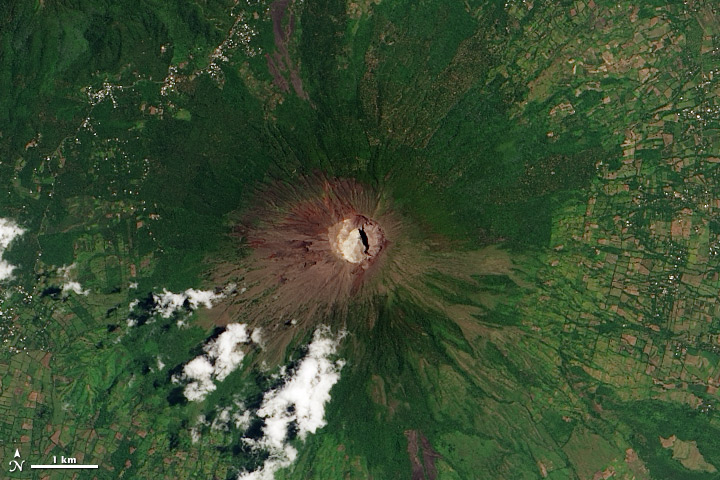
63	466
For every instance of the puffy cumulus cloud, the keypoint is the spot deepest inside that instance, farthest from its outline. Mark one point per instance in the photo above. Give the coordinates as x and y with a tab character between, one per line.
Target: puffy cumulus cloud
167	303
9	230
241	419
272	465
201	297
222	356
257	337
308	390
196	430
70	285
301	400
199	371
224	349
236	413
73	286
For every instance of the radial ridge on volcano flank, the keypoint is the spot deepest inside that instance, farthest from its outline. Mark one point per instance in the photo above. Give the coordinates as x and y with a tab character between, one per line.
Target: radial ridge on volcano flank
314	247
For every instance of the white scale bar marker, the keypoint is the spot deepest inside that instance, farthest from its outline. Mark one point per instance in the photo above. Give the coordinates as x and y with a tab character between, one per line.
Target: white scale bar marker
63	466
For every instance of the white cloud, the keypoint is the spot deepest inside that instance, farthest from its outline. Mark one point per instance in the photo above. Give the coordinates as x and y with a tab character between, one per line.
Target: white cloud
195	431
222	419
199	371
201	297
307	390
65	270
241	420
235	413
257	337
224	349
9	230
222	356
72	286
167	303
5	270
272	464
194	435
300	400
